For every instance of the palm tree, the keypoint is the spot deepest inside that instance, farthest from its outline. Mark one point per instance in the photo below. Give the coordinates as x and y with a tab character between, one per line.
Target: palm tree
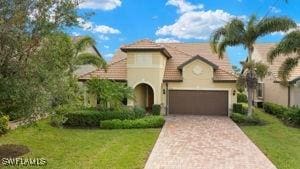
236	32
290	44
81	57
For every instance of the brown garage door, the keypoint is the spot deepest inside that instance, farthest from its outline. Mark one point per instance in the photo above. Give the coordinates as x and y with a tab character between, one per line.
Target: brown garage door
198	102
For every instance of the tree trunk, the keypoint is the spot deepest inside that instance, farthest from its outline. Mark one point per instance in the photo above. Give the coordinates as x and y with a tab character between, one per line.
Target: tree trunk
250	88
250	92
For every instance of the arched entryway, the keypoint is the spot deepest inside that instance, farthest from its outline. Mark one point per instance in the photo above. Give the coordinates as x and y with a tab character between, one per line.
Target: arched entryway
144	96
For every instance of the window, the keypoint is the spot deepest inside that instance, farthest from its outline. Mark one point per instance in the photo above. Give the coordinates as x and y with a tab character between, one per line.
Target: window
143	59
259	90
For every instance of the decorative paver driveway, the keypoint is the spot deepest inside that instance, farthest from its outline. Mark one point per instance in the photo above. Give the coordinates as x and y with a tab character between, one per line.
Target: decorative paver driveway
205	142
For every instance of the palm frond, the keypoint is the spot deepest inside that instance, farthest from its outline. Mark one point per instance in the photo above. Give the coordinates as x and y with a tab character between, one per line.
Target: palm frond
289	44
274	24
215	38
83	43
286	68
88	58
225	42
261	69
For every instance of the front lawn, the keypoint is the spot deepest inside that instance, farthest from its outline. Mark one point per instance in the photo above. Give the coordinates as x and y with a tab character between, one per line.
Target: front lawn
280	143
85	148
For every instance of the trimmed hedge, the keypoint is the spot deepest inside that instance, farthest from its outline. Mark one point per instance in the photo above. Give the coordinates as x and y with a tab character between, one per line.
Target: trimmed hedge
239	108
4	124
91	118
146	122
245	120
242	98
156	109
287	115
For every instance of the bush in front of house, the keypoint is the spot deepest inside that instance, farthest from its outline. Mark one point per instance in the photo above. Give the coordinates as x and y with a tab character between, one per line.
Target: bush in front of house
156	109
3	124
293	116
275	109
91	118
139	112
242	119
290	115
242	98
146	122
239	108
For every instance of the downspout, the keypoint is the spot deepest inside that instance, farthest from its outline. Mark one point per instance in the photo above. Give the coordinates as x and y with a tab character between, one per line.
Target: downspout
167	98
289	96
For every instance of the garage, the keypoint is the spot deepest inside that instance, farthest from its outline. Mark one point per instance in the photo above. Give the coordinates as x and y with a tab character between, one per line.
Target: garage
198	102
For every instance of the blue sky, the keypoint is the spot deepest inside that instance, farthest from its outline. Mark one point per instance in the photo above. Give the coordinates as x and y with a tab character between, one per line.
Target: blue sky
117	22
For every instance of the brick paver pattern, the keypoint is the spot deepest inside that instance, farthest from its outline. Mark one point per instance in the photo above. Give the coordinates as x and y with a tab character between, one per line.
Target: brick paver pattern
205	142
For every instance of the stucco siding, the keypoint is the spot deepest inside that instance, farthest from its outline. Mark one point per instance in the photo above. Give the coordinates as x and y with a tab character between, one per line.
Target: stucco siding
295	95
275	93
149	73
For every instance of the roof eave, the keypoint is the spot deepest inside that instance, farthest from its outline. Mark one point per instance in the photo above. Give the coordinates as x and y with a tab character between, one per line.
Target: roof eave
162	50
197	57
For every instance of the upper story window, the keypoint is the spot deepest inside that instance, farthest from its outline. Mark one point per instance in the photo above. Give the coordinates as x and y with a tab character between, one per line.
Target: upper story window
259	90
143	59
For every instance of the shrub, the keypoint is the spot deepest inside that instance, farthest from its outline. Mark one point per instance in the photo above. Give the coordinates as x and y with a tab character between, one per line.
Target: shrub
156	109
292	116
242	98
139	112
146	122
4	124
245	120
239	108
91	118
275	109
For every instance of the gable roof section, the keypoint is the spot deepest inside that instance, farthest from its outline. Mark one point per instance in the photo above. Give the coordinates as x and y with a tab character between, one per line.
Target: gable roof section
263	50
181	53
198	57
146	45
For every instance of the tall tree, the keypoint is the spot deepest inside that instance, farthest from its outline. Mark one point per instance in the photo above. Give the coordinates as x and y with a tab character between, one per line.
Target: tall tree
236	32
290	44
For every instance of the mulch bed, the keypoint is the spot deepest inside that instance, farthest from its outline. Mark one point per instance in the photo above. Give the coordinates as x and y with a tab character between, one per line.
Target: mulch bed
12	150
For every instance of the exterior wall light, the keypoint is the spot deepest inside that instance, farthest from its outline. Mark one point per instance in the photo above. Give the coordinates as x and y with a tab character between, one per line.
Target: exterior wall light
164	91
233	93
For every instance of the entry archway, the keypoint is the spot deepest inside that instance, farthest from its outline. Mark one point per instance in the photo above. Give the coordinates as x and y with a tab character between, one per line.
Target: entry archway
144	96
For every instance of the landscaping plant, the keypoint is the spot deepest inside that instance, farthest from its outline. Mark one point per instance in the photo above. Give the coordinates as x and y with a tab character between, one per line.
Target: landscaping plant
236	32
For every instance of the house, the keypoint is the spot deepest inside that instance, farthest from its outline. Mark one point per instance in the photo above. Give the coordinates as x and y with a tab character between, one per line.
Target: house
269	89
83	69
184	78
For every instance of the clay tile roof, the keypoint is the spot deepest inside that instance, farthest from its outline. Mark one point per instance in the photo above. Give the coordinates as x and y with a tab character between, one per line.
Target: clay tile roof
263	50
115	71
146	45
180	52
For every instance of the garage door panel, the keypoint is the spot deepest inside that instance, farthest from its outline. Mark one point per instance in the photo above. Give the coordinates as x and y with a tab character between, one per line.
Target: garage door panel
200	102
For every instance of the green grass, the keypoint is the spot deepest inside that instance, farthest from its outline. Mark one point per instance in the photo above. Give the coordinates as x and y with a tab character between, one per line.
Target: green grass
280	143
85	148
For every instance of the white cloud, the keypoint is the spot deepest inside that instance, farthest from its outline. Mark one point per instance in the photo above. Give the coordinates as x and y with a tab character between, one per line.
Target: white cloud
103	29
184	6
195	24
275	10
106	46
166	40
75	34
109	55
104	5
103	37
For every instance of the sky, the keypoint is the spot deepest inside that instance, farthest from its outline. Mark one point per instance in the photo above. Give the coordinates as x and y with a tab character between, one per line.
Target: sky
118	22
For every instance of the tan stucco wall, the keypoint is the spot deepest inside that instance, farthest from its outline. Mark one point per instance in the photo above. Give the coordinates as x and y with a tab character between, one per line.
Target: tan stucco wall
140	96
151	73
295	95
203	81
274	92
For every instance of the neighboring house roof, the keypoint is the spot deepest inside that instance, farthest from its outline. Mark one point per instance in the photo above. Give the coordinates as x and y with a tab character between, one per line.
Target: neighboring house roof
263	50
180	53
83	69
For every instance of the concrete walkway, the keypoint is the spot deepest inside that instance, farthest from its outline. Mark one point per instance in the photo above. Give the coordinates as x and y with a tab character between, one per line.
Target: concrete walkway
205	142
